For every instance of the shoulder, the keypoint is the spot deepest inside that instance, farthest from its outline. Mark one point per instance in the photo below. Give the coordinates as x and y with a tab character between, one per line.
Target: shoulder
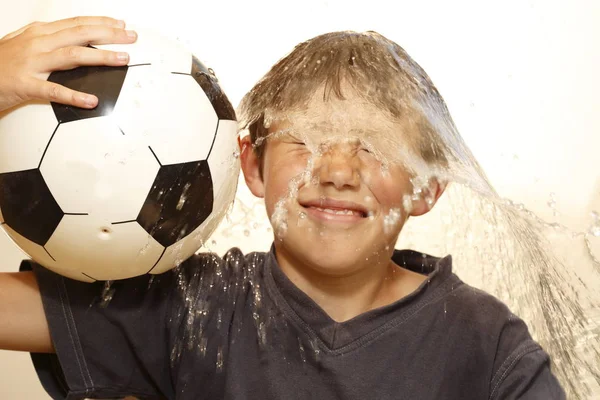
206	272
232	262
489	319
481	306
517	362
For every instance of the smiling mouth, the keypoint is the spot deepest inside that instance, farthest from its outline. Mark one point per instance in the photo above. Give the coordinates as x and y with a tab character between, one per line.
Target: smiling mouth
335	210
338	211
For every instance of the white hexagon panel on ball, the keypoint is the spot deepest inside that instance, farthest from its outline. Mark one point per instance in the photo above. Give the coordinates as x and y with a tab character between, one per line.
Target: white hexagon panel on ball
25	132
153	48
169	112
89	246
91	167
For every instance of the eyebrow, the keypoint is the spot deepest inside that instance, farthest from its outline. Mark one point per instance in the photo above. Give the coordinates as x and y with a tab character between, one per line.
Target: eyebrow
367	131
329	125
326	126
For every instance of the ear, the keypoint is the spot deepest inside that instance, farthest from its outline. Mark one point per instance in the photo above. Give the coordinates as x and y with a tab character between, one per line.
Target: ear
251	168
436	189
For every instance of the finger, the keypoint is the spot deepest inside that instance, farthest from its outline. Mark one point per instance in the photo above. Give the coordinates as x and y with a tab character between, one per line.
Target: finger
76	56
56	26
21	30
44	90
87	34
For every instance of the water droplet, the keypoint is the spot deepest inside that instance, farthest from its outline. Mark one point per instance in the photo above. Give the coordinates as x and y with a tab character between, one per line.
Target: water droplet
202	345
552	203
391	220
219	316
595	227
302	351
150	281
220	361
107	294
183	197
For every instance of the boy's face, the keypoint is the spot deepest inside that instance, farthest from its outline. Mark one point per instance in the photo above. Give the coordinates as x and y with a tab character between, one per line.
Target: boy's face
333	187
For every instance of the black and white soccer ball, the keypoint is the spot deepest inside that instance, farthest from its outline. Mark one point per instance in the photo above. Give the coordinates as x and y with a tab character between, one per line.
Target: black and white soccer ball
135	185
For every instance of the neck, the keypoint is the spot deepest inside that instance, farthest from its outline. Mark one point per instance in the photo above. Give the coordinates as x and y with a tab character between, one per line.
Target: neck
344	296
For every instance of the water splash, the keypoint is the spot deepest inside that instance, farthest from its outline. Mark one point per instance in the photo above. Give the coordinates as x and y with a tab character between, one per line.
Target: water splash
279	219
594	229
391	220
552	204
220	361
505	240
107	295
301	351
183	197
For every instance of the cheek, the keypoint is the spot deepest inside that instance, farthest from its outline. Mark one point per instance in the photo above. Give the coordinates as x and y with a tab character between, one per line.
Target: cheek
283	178
388	188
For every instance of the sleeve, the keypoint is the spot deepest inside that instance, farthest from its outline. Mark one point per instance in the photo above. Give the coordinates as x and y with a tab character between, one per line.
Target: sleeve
525	373
105	349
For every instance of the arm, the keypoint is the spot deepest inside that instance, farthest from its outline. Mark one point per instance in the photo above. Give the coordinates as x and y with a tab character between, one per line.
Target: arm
104	350
29	55
24	325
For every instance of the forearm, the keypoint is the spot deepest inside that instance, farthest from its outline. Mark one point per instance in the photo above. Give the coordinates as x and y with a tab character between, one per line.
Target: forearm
23	324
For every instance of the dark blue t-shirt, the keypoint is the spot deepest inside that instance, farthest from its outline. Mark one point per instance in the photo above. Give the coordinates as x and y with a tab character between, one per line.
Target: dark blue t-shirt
237	328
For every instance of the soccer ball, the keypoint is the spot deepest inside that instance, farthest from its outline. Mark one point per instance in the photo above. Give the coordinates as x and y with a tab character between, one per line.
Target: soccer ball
135	185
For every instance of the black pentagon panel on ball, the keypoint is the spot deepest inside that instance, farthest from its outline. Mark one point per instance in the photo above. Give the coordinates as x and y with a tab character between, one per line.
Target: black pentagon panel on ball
208	82
180	200
104	82
28	206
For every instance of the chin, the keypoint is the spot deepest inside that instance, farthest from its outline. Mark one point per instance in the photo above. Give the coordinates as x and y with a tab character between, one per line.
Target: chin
330	261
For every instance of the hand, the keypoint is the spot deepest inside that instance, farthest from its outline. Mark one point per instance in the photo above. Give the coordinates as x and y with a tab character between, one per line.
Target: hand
29	55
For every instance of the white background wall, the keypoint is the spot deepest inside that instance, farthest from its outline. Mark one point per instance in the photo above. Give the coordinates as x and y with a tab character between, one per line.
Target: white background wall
519	76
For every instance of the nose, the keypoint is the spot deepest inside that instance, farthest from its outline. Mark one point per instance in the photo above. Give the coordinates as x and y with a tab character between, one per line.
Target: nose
339	167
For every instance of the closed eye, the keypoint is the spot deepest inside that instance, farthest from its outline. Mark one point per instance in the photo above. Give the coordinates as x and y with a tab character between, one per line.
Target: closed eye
364	150
291	139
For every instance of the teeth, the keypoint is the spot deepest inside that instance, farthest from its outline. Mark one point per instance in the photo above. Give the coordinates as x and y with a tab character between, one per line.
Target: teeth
338	212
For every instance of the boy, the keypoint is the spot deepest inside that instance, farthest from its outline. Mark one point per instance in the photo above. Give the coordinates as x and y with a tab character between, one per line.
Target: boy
342	149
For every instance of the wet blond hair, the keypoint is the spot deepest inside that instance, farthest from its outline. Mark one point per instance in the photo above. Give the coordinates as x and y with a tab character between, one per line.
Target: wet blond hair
377	69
